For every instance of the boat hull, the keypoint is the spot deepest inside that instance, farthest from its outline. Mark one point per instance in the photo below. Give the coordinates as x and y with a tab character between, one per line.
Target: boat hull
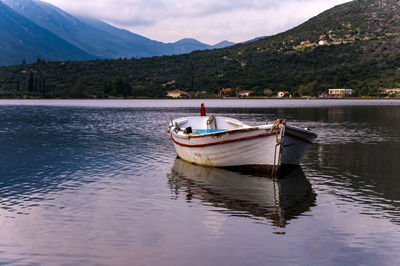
233	148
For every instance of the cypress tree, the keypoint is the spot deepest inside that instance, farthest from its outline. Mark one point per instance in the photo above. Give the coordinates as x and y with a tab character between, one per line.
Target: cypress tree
30	85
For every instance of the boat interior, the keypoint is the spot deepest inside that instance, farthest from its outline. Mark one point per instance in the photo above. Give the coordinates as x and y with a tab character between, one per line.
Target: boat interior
206	124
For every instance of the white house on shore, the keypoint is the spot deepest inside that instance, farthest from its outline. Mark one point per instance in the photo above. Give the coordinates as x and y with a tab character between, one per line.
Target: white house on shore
392	91
177	94
282	94
340	92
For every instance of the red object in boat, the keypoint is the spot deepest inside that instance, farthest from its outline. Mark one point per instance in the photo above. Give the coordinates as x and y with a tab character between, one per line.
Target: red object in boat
202	110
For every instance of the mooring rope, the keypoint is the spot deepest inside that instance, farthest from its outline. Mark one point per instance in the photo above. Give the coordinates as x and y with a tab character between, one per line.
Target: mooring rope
209	120
279	140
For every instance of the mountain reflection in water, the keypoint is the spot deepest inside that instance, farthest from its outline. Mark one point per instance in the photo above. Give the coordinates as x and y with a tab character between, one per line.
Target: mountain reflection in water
252	194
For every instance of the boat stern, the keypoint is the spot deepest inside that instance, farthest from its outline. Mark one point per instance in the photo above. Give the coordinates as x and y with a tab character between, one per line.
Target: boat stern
296	143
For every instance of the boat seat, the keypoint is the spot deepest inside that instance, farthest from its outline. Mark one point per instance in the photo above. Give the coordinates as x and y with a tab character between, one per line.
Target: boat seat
234	122
181	122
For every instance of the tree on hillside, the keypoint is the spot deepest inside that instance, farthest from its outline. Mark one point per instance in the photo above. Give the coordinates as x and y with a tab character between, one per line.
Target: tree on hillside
117	87
268	92
107	87
340	80
77	90
310	89
137	91
237	90
30	83
121	87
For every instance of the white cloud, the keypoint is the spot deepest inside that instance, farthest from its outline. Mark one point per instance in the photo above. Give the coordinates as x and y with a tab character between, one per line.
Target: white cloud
209	21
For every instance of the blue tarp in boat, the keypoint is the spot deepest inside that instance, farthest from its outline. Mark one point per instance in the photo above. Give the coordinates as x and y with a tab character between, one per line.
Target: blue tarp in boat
208	131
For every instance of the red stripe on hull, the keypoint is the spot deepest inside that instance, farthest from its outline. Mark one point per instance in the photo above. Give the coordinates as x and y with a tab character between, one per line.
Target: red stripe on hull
223	141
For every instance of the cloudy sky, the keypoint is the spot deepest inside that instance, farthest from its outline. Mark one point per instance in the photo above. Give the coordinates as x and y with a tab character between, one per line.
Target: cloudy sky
209	21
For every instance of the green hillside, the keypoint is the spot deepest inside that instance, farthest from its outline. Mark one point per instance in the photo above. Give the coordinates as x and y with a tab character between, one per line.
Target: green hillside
363	53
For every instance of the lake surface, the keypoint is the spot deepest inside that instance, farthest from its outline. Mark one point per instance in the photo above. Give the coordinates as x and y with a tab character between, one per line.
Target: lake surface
98	183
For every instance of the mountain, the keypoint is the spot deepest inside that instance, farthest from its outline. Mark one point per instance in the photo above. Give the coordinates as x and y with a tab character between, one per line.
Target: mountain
154	48
361	52
357	20
121	42
188	45
94	36
222	44
21	39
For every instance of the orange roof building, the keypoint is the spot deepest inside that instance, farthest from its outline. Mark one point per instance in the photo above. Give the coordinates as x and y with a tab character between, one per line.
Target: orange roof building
226	90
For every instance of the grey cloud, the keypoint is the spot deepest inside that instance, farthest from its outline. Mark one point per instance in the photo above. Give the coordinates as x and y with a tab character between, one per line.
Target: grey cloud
206	20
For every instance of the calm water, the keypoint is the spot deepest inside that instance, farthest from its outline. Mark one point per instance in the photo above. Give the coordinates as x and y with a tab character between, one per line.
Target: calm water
98	182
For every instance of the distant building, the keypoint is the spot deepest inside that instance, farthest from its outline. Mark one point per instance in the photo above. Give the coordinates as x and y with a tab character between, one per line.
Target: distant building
226	91
323	42
245	93
391	91
305	43
282	94
339	92
177	94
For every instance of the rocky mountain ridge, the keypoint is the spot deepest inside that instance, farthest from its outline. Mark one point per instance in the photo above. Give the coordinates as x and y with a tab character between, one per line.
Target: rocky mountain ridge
96	38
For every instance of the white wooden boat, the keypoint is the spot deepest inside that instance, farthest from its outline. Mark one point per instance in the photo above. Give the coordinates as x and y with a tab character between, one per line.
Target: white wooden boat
223	142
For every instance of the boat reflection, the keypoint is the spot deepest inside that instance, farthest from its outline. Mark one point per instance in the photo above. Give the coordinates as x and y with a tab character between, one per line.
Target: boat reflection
250	194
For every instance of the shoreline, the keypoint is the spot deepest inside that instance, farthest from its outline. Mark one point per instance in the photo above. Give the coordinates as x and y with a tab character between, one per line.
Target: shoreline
195	103
205	99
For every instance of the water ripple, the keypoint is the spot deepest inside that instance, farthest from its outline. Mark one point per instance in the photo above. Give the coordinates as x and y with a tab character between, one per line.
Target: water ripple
101	185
